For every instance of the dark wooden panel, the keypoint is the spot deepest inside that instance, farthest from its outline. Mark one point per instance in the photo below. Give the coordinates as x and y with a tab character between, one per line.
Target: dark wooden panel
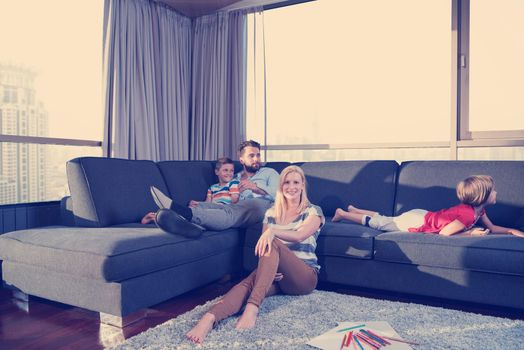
29	215
48	215
32	217
20	218
9	216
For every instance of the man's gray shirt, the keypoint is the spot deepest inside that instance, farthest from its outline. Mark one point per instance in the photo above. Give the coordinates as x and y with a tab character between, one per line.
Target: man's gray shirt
266	179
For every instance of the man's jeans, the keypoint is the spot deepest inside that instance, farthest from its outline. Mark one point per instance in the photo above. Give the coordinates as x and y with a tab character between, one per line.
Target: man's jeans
219	217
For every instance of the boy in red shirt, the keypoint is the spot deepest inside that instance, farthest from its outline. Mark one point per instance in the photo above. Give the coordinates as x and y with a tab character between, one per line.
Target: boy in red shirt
475	193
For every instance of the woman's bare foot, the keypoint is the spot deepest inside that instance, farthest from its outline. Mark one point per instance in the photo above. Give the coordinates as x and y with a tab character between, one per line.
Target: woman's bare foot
339	215
198	333
248	318
352	208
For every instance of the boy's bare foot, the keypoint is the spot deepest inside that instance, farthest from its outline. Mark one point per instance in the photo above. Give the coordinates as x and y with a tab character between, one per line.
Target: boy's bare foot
248	318
352	208
148	218
338	215
198	333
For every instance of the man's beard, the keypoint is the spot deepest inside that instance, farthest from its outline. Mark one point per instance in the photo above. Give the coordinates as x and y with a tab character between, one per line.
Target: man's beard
252	169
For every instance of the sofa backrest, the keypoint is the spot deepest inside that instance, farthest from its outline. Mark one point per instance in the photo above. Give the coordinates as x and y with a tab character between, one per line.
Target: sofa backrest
110	191
278	166
188	180
431	185
365	184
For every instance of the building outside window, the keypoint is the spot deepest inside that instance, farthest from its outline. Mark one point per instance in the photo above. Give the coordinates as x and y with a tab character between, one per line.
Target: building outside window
50	88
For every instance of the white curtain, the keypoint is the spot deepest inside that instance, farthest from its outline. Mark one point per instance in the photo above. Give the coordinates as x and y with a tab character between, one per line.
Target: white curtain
147	73
219	85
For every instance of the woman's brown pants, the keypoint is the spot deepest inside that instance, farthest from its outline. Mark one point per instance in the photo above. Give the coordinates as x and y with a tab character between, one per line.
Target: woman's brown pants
299	278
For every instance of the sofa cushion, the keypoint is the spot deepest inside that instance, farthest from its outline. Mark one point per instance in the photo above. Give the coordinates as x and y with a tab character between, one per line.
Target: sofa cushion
109	191
188	180
110	254
365	184
492	253
431	185
346	240
338	239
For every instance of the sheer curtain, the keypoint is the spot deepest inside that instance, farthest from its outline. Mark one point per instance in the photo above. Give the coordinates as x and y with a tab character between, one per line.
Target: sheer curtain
147	73
219	85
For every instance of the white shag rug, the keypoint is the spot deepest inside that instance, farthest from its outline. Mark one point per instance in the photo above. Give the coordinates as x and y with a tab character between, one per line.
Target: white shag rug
288	322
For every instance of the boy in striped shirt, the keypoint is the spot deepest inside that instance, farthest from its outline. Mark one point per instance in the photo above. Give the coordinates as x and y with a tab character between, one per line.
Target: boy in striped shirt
226	190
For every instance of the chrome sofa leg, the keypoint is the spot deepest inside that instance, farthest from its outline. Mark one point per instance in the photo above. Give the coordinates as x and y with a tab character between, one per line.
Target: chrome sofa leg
122	321
19	298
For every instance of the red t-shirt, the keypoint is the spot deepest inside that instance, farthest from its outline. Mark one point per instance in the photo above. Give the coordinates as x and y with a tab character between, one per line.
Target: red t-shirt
434	221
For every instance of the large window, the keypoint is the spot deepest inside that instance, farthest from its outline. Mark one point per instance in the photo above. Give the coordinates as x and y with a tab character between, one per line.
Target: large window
346	72
50	93
382	79
496	66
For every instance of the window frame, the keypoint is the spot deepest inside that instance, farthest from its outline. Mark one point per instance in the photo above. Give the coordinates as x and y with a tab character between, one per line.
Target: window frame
48	140
467	137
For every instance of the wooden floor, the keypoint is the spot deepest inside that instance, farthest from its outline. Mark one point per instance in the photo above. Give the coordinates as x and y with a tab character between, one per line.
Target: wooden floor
42	324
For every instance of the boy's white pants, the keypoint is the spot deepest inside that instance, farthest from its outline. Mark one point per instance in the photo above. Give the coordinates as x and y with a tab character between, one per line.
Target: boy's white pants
410	219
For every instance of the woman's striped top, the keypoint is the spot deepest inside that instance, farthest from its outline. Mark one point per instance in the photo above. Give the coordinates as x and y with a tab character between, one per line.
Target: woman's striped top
304	250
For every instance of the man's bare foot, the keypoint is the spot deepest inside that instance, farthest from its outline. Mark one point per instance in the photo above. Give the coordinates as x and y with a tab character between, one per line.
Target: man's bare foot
198	333
338	215
248	318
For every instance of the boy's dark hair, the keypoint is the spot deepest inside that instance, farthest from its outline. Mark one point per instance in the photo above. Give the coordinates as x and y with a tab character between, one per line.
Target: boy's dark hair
222	161
248	143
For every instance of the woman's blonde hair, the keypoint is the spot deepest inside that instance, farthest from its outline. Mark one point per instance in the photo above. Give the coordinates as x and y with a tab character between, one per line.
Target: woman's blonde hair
280	200
475	190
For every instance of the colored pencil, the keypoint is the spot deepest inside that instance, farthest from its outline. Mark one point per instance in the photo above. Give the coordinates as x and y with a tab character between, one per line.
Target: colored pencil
370	337
367	341
396	339
358	343
347	329
374	337
350	337
368	331
343	342
376	342
401	340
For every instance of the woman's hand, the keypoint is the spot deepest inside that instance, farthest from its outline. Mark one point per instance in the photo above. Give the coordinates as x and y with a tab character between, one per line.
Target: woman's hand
263	246
193	204
515	232
278	277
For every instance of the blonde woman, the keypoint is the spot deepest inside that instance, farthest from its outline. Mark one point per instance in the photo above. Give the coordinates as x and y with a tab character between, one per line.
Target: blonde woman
287	262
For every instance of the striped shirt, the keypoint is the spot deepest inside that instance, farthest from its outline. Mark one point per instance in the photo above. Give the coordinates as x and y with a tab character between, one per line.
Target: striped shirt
304	250
222	194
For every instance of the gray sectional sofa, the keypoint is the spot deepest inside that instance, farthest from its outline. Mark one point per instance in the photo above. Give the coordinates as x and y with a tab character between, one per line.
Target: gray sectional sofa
111	264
